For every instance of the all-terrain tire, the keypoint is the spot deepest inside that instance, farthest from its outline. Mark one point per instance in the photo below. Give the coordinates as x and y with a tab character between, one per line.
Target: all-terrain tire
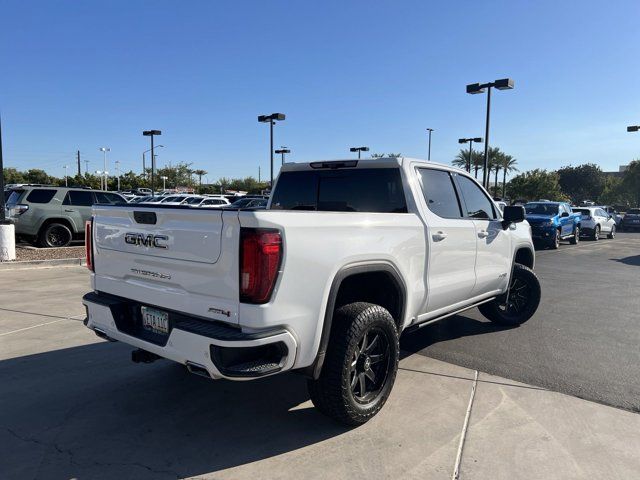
524	298
337	391
55	235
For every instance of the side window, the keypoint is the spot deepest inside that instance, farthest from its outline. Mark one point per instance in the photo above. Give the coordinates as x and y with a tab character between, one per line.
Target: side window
439	193
477	203
40	196
79	198
105	198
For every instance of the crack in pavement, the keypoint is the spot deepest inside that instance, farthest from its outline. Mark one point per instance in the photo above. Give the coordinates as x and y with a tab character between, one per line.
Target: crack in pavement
92	463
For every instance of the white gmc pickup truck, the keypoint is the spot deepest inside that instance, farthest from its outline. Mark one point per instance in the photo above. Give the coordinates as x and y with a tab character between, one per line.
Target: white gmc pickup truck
347	255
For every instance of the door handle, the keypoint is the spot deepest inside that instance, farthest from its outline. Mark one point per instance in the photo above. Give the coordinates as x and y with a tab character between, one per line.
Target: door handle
483	234
439	236
69	210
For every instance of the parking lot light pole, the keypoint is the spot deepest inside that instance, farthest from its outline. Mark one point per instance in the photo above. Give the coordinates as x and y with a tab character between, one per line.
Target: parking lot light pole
3	217
470	140
152	133
359	149
475	88
429	152
66	183
144	163
104	150
283	151
272	121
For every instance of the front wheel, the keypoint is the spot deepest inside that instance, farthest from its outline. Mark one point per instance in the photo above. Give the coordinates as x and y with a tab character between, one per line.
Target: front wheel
520	302
612	234
360	365
555	241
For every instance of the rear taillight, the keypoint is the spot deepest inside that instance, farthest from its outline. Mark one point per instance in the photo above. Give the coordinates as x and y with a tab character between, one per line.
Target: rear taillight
88	244
18	210
260	256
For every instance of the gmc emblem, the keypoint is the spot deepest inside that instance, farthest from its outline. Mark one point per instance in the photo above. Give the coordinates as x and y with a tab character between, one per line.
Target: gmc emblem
142	240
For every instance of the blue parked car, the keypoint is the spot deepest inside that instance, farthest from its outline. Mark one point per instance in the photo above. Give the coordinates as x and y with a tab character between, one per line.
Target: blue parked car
551	222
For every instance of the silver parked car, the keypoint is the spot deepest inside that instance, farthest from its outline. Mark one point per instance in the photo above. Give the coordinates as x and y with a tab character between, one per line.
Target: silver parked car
53	216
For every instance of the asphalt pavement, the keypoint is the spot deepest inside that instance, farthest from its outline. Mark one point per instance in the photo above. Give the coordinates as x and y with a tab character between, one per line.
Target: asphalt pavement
583	341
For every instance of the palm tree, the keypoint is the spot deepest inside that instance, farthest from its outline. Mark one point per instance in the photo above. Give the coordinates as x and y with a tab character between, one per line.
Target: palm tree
200	173
508	165
462	160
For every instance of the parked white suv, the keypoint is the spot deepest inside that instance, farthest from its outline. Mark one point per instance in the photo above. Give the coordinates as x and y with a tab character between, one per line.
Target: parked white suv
595	222
347	255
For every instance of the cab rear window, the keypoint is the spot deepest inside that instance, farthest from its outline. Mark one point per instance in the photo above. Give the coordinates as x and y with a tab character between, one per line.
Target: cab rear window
40	196
349	190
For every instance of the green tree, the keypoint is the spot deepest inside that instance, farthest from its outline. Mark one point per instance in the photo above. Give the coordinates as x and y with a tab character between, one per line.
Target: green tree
12	175
534	185
35	175
616	192
200	173
631	181
462	160
508	165
386	155
582	182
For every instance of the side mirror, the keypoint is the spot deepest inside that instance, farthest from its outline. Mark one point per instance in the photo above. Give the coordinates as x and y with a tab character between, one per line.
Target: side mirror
512	214
564	214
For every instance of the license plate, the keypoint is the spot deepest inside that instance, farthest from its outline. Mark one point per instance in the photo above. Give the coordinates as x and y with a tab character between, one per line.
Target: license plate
155	321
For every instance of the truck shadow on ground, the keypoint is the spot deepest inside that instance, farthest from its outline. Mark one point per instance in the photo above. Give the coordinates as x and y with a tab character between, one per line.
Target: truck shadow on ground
632	260
457	326
88	412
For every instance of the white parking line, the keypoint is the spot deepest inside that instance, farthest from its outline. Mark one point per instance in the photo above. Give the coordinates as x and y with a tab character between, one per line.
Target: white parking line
463	435
75	318
34	326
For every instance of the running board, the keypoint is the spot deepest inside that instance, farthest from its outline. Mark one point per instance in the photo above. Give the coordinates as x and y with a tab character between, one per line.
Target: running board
417	326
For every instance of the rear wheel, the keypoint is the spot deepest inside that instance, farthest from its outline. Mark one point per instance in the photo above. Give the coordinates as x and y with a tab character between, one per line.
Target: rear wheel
612	233
55	235
521	301
576	236
360	366
596	234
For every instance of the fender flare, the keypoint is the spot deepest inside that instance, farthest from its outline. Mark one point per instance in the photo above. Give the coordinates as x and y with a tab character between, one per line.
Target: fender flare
315	368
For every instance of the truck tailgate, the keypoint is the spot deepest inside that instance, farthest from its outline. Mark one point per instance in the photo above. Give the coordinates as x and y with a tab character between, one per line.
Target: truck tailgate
182	259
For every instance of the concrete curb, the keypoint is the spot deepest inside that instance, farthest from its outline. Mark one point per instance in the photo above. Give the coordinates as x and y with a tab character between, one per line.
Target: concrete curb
41	263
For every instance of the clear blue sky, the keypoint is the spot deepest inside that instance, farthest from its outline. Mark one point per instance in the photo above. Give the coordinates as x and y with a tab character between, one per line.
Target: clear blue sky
81	75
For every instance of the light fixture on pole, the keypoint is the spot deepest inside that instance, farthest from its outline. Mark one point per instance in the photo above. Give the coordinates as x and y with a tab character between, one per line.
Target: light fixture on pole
271	119
470	140
283	150
359	149
475	88
429	152
104	150
152	133
633	128
144	162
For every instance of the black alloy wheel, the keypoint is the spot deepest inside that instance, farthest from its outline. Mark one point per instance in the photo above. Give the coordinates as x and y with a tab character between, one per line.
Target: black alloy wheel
360	364
520	303
56	235
370	365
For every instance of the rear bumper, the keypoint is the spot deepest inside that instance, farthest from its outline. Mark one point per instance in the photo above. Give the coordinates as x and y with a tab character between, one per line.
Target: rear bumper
221	350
